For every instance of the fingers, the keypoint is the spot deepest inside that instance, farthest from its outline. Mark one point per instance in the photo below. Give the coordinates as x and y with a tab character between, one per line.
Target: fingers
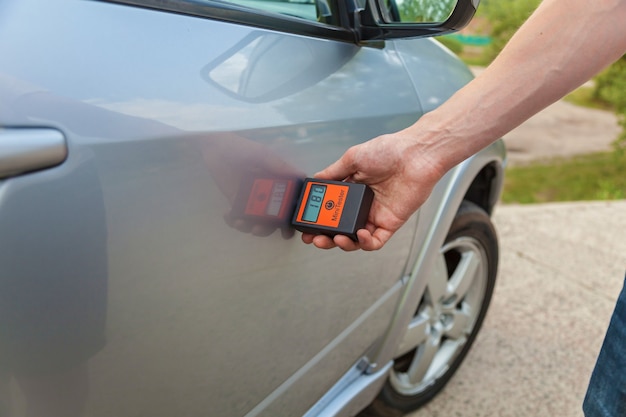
342	242
320	241
345	243
373	241
307	238
366	240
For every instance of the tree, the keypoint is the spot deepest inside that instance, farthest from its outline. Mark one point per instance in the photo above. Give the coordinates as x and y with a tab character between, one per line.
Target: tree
505	17
425	10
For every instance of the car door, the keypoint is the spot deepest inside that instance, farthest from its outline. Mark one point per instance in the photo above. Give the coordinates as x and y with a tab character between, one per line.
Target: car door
122	269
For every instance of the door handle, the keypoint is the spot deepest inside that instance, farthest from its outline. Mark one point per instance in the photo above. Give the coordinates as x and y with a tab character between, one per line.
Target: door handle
24	150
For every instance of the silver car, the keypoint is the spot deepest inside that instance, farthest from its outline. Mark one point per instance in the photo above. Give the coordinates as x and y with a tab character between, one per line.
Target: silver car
130	286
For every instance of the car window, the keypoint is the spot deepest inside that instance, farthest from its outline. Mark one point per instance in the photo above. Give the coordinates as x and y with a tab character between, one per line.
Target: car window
315	18
314	10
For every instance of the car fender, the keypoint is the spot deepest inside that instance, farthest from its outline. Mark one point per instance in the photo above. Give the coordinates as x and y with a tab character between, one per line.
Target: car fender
435	218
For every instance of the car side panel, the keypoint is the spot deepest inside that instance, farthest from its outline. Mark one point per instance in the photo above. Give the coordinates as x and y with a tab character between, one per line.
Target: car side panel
183	313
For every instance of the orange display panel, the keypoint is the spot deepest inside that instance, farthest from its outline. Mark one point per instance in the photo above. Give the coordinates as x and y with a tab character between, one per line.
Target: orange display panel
323	204
332	207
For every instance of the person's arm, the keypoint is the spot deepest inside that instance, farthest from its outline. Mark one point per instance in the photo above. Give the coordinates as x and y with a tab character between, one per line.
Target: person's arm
562	45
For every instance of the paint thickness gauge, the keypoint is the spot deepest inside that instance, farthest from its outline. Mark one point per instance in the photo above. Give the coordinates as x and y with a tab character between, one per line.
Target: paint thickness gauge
332	207
312	205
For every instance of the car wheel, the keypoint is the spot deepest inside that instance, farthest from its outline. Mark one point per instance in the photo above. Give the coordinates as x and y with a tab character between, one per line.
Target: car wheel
448	317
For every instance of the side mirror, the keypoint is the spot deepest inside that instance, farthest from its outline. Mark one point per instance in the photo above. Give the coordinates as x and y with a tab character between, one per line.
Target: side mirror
392	19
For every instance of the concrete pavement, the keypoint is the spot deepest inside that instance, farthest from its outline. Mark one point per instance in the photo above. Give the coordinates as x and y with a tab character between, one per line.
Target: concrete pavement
562	266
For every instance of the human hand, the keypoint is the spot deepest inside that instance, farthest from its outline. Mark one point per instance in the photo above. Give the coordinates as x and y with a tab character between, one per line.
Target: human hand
402	176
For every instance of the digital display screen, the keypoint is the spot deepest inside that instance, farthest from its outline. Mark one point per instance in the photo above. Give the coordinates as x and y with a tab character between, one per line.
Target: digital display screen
314	203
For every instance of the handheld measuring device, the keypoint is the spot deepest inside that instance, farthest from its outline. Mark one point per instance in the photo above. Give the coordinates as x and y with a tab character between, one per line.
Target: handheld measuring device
313	206
332	207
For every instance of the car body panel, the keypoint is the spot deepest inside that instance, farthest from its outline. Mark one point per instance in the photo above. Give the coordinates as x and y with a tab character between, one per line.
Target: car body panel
122	255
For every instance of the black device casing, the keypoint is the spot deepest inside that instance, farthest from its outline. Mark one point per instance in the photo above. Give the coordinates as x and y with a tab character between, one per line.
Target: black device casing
354	216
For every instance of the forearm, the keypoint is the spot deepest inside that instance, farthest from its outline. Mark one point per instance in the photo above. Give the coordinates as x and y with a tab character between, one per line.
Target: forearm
561	46
538	66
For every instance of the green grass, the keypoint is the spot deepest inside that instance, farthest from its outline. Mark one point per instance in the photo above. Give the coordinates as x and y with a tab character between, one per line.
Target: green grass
474	56
584	97
598	176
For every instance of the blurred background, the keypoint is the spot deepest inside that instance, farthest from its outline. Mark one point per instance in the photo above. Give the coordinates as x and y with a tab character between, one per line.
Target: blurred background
573	151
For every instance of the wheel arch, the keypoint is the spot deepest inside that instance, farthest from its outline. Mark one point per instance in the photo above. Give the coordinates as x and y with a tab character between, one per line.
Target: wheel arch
479	180
485	189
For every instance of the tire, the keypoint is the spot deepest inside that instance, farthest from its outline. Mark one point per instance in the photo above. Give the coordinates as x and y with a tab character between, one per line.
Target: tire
448	317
